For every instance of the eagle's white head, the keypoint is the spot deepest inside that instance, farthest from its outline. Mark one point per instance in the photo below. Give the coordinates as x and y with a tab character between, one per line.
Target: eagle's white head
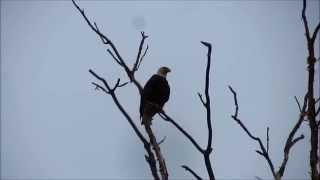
163	71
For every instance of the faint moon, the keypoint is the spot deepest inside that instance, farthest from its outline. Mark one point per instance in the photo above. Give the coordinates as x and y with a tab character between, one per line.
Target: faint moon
139	23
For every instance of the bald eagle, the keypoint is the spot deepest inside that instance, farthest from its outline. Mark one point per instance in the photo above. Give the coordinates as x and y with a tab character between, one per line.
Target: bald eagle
155	94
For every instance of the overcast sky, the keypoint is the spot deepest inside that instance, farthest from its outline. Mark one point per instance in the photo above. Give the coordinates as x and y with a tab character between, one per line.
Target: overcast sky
55	125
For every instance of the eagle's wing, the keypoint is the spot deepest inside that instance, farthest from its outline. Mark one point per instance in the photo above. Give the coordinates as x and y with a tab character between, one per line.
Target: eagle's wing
147	92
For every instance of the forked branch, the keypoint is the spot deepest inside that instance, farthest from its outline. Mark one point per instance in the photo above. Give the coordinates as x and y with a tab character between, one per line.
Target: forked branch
264	152
111	91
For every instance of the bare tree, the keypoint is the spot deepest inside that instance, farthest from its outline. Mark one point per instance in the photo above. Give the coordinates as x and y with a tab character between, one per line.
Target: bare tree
308	109
152	147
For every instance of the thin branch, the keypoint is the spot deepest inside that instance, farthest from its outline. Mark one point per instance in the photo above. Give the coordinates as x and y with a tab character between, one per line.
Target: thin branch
97	87
208	108
268	140
114	57
291	140
142	57
314	36
201	99
104	38
263	151
135	66
192	172
297	101
305	22
166	117
162	140
111	92
104	41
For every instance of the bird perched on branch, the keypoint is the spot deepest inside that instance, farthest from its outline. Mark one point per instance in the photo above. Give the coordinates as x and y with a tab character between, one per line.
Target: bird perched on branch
155	94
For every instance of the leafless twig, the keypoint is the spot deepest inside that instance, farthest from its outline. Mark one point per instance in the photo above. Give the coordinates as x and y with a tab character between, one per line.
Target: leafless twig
192	172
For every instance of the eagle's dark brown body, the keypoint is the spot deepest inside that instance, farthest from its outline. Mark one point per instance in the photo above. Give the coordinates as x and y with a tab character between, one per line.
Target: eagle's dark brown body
155	94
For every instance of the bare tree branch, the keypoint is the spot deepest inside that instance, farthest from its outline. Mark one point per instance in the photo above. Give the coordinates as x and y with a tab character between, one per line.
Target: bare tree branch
192	172
138	59
268	140
297	101
314	36
311	111
263	151
111	91
166	117
116	56
291	140
208	110
142	57
305	22
201	99
289	143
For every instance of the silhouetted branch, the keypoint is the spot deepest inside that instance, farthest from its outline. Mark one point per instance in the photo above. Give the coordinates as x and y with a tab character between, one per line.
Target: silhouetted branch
115	54
311	111
114	57
305	22
138	59
314	36
208	110
192	172
289	143
297	101
201	99
166	117
263	151
111	91
142	57
268	139
291	140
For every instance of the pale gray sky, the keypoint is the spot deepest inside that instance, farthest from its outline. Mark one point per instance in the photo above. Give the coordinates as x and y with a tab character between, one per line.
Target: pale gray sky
54	125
